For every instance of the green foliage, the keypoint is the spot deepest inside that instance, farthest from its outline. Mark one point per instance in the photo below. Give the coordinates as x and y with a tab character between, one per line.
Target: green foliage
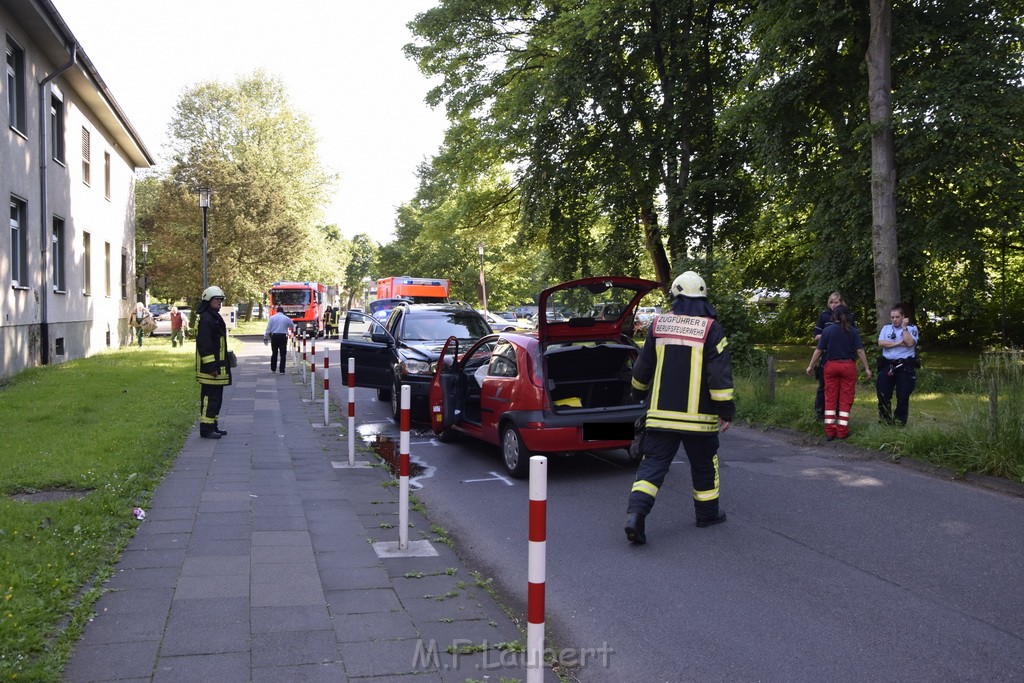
103	429
246	142
958	124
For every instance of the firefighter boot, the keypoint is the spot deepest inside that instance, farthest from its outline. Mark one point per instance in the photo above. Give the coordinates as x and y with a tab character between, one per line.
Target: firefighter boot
635	532
217	429
208	432
717	518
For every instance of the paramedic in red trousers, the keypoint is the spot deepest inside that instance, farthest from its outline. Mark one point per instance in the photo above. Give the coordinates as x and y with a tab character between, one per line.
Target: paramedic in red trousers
841	344
824	320
213	371
897	368
685	372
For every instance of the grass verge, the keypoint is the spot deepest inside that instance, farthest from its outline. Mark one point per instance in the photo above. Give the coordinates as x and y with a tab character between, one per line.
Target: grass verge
85	442
954	422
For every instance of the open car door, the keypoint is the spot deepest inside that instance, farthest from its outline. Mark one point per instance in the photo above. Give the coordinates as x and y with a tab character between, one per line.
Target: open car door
447	394
366	340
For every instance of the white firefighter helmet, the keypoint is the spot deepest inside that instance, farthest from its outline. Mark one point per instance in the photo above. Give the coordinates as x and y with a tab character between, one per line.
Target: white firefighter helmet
689	284
213	292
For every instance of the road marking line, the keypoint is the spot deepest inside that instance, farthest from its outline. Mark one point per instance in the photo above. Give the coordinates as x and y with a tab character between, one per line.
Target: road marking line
494	477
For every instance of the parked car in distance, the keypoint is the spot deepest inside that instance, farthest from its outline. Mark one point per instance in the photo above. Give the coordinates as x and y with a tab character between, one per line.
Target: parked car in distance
157	309
501	324
163	321
404	349
527	311
644	317
563	389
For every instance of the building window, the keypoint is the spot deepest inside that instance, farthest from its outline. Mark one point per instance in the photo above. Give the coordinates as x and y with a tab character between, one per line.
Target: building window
106	268
87	263
59	284
106	175
124	274
86	156
57	125
15	85
19	244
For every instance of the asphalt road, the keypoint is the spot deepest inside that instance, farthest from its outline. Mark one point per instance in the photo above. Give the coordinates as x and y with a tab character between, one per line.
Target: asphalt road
832	565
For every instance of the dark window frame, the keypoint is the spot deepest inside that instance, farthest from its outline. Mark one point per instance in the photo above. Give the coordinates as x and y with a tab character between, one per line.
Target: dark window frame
19	243
59	241
16	86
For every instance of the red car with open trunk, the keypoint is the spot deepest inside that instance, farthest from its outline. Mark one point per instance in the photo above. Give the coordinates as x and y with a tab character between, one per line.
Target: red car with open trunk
563	388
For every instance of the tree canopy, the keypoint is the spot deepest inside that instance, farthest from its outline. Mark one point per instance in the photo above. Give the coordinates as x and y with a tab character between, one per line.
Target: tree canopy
637	136
258	155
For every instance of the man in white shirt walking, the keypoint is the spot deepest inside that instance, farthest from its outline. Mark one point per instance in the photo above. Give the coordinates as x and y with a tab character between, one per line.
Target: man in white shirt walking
277	335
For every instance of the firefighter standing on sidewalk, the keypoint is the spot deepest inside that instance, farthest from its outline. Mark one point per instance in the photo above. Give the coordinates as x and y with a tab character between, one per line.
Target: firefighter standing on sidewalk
685	370
213	371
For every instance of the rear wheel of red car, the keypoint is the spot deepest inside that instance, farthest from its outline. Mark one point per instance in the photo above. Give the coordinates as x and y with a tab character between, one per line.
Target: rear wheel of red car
514	453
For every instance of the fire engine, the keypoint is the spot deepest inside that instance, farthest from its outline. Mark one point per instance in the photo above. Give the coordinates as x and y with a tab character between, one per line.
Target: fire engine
303	302
420	290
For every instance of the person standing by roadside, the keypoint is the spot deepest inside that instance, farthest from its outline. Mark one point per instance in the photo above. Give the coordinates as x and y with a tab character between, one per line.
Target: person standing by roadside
841	344
213	371
177	336
685	369
276	334
824	320
335	321
897	368
141	320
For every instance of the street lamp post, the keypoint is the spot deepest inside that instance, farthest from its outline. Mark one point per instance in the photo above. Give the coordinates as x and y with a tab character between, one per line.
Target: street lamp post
204	204
145	273
483	286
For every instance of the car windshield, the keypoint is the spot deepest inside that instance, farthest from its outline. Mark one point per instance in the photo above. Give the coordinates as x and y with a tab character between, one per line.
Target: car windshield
444	324
289	297
600	301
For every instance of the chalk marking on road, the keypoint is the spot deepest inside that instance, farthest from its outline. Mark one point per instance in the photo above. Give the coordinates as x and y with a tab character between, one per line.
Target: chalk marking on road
494	477
428	471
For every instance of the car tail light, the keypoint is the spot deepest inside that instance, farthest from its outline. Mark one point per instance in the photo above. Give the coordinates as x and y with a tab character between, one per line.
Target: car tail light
535	367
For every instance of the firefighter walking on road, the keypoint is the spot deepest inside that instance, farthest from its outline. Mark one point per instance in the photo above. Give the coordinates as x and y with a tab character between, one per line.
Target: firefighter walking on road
685	371
213	370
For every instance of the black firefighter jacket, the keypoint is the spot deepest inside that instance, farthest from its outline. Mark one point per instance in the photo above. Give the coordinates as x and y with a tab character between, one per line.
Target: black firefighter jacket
685	368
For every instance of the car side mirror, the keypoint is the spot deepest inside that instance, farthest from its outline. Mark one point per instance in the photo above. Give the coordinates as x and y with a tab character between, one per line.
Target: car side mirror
380	337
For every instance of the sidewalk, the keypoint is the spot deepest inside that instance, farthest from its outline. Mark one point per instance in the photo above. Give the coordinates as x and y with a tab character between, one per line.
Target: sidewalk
255	563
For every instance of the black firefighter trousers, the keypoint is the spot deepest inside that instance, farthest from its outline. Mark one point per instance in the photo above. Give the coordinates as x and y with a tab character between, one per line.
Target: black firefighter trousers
211	396
659	449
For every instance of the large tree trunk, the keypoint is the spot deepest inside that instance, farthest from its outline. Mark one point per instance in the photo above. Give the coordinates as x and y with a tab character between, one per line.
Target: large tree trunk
883	161
655	246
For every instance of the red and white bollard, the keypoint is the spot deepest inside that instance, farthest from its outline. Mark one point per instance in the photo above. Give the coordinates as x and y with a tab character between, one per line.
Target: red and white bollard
403	472
536	569
303	358
351	412
312	371
327	386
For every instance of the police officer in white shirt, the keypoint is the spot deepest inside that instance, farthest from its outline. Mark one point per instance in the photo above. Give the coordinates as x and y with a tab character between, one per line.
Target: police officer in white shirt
897	368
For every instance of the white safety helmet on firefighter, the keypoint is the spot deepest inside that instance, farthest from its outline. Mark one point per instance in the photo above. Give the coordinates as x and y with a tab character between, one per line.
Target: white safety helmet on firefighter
213	292
689	284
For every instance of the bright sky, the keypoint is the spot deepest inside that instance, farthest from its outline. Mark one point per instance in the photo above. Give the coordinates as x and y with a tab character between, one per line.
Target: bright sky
341	62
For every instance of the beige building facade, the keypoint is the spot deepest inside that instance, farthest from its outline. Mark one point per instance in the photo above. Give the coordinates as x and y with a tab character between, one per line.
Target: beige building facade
68	160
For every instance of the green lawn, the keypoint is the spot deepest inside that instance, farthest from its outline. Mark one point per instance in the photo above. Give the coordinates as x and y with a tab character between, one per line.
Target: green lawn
84	443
